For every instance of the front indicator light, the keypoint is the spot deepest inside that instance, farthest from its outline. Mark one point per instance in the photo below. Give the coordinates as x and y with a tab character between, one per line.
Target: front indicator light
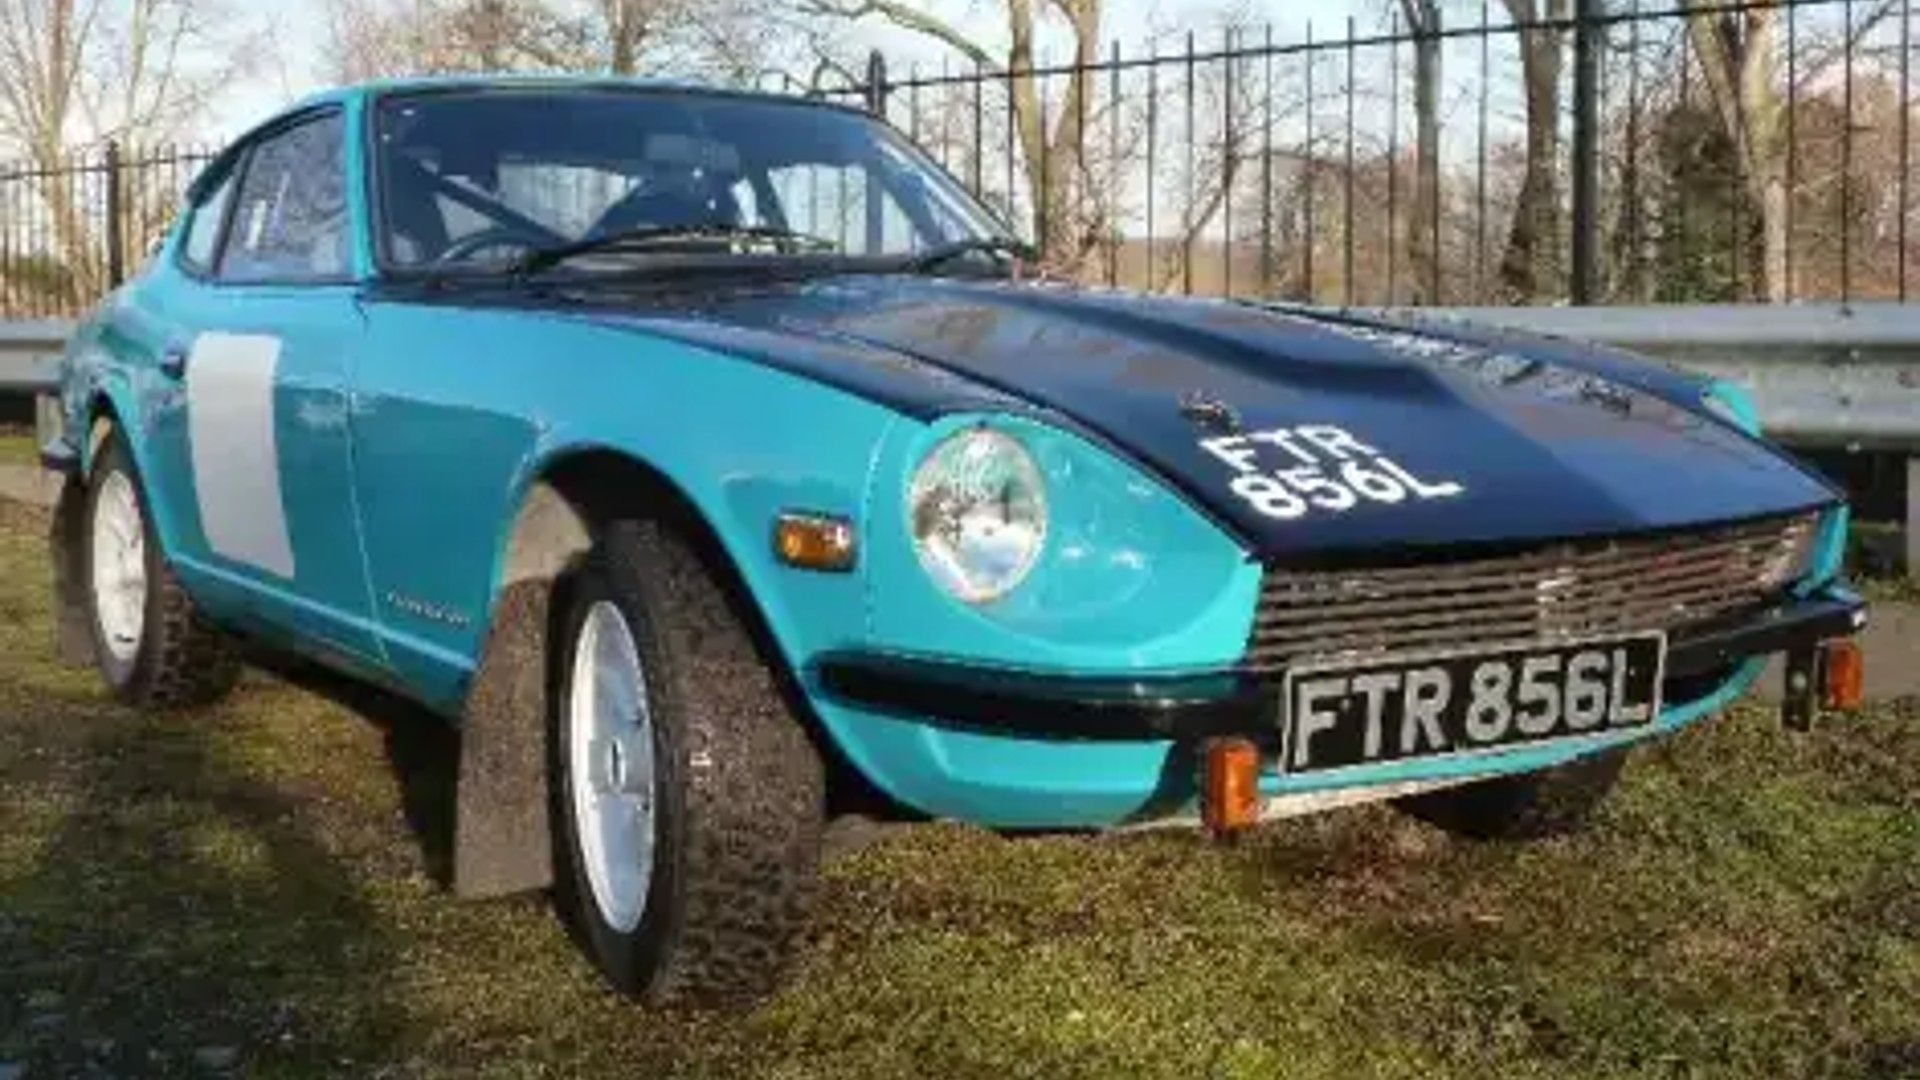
814	541
1230	785
1843	675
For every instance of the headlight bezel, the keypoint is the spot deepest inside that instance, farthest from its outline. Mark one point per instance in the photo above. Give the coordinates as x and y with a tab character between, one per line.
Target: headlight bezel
937	535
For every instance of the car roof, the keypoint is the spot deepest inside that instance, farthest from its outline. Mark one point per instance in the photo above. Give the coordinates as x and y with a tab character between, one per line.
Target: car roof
428	84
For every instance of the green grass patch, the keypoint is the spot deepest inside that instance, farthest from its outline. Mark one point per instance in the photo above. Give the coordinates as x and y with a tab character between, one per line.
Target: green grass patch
17	446
252	883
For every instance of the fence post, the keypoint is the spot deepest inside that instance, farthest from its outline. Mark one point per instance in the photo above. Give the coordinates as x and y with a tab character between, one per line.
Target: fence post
1587	29
876	83
116	246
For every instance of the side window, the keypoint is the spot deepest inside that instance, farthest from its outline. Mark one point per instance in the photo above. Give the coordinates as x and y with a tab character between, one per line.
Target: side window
203	232
290	223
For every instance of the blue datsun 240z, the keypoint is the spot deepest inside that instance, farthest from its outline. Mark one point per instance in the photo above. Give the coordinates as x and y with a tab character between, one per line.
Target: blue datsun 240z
690	447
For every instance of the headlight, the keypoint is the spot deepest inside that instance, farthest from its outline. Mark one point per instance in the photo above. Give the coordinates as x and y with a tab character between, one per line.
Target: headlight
978	512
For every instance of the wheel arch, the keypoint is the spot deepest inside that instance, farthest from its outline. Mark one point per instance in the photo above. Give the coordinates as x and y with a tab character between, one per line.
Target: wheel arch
567	500
110	407
503	836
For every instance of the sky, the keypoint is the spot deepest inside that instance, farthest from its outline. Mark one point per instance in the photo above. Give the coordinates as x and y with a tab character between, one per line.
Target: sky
296	28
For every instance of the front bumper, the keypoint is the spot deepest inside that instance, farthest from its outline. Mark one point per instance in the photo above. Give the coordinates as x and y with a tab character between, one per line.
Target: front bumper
1001	702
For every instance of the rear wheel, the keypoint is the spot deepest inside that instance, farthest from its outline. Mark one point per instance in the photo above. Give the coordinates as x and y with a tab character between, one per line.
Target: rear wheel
1523	806
687	798
151	644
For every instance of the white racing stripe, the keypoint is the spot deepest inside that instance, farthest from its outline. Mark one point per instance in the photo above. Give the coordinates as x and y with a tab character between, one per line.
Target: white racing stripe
236	464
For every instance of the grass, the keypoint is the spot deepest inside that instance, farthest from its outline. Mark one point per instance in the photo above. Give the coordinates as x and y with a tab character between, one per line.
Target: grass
249	889
17	445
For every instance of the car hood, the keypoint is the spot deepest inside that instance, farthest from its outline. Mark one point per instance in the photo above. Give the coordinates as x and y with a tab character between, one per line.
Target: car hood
1435	435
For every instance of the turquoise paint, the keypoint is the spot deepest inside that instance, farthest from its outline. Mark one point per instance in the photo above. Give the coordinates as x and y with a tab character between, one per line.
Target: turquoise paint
1130	578
359	197
1737	402
444	462
1830	549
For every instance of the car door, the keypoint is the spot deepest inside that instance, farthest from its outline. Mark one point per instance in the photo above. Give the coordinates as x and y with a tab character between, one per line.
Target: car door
259	338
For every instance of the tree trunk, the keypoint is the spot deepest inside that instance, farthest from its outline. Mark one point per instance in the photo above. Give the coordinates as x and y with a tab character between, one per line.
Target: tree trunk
1738	64
1055	159
1528	269
1423	224
47	146
627	29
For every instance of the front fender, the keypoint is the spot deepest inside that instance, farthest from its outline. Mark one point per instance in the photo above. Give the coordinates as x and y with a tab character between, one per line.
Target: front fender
748	444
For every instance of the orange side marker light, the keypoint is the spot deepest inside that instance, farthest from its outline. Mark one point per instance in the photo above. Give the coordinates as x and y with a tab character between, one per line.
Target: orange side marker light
1843	674
1230	785
814	541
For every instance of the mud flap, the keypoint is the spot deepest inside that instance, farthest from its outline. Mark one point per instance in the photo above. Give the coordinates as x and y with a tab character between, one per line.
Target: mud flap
502	838
73	630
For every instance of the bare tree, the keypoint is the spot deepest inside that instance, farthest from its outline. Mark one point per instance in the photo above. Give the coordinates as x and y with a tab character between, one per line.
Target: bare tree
75	73
1423	224
1053	152
1529	270
370	38
1738	52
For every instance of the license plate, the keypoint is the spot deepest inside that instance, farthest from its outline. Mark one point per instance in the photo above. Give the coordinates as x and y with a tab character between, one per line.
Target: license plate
1339	715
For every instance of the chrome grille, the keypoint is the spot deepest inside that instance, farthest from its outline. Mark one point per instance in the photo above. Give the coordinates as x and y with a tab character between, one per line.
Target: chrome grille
1553	593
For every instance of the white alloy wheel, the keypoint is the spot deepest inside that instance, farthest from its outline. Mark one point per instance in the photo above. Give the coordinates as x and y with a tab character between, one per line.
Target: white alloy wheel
119	566
610	763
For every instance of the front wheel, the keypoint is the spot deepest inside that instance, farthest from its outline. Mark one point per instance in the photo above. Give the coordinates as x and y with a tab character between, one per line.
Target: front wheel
1524	806
151	644
688	799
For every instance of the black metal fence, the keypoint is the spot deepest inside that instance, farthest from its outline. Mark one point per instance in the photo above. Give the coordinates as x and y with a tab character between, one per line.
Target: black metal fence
1714	152
1755	150
71	231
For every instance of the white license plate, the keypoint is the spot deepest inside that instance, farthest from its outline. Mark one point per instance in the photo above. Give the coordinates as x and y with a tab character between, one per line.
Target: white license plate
1341	714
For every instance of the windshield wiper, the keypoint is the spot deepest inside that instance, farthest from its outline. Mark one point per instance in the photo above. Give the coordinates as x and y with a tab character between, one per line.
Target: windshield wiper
654	236
932	258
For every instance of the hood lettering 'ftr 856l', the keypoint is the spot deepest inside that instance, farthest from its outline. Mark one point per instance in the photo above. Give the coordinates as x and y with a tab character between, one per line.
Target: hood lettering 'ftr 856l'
1309	431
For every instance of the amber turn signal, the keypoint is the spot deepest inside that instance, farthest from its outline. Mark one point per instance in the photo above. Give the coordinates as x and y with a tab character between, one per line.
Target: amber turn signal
1843	674
1230	785
814	541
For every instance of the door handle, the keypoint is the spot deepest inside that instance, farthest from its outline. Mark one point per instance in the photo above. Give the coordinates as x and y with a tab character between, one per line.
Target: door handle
173	361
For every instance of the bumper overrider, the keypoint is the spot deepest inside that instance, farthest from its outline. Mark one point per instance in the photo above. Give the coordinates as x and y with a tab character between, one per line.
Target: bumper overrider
1231	703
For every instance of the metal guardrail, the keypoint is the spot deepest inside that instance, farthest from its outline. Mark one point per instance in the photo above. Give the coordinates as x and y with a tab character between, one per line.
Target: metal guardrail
1821	374
30	355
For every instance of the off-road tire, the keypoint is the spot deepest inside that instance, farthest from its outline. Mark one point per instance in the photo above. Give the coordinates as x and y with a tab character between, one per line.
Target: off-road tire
182	660
1524	806
739	800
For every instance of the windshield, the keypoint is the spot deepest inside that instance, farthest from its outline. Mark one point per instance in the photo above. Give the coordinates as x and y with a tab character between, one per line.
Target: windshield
487	177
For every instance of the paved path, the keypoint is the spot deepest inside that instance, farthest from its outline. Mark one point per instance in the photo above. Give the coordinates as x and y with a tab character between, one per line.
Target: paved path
1892	638
1892	644
28	484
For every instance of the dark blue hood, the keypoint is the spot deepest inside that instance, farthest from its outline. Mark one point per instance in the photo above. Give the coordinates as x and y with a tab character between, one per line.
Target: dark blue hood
1541	438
